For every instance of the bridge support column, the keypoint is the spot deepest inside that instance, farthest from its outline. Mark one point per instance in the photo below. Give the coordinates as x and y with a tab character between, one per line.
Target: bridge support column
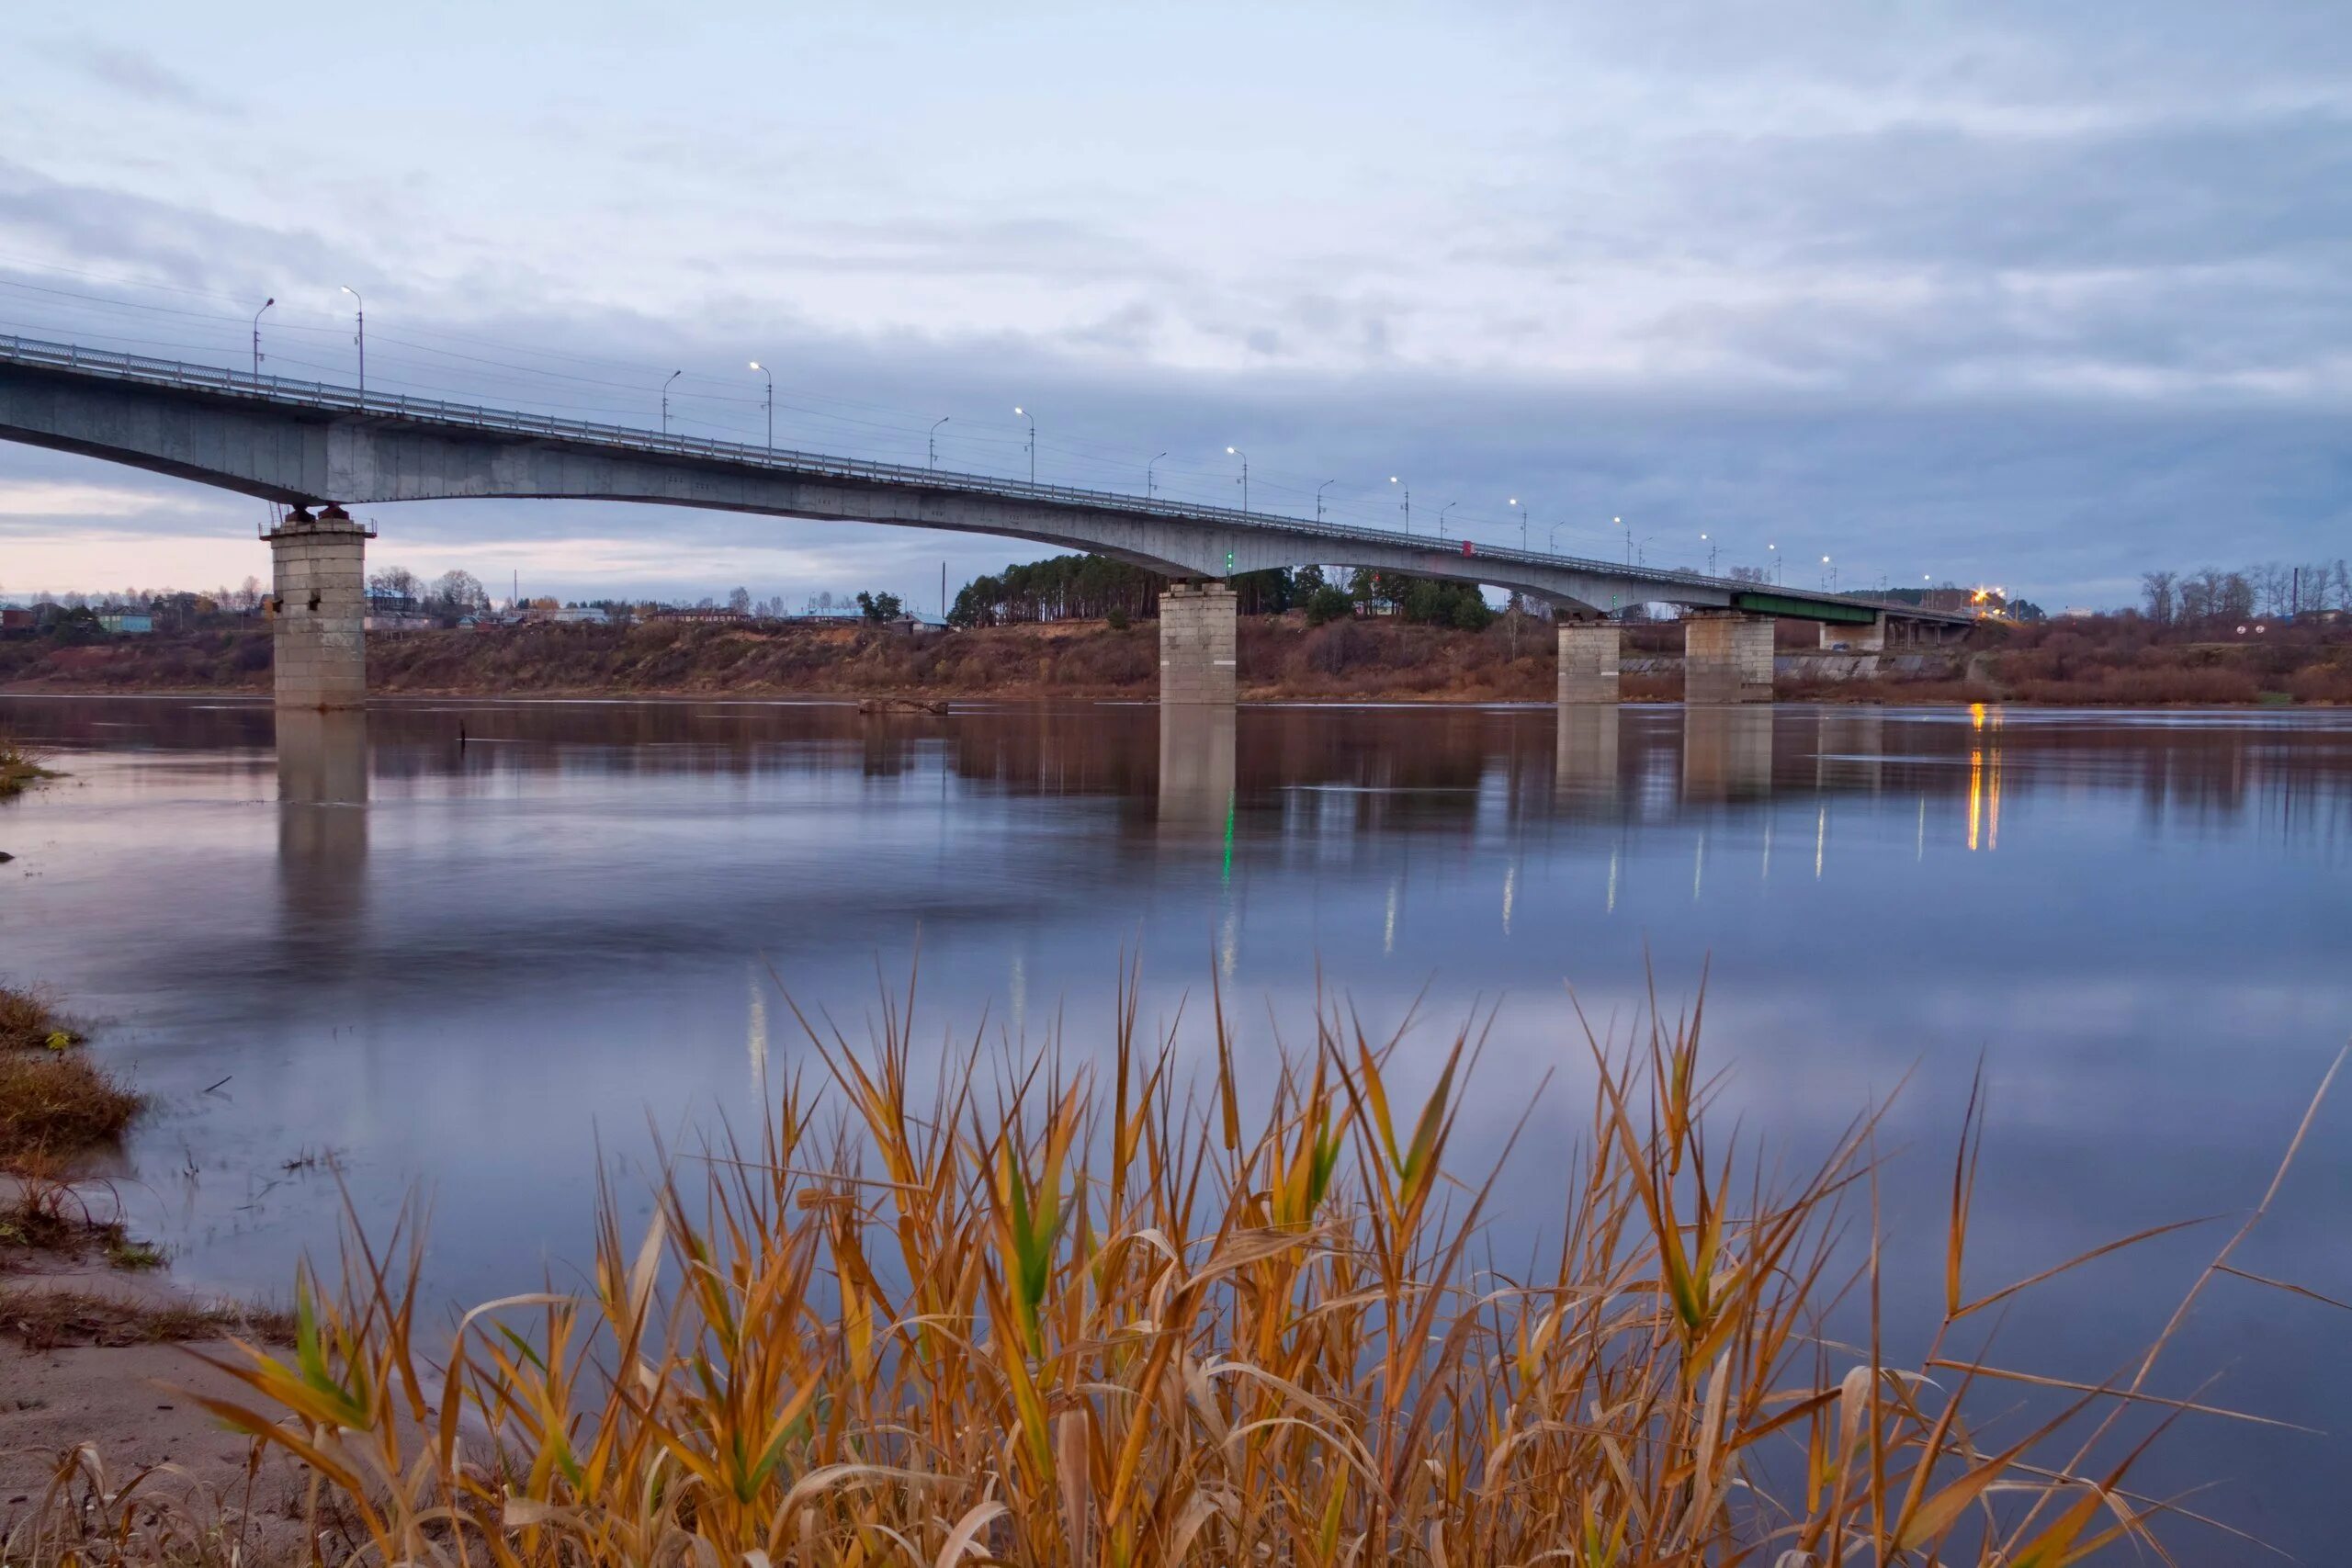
1870	638
1726	657
317	609
1198	636
1589	661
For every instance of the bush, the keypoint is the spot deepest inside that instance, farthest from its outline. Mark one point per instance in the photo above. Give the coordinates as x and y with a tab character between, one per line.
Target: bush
1117	619
1329	603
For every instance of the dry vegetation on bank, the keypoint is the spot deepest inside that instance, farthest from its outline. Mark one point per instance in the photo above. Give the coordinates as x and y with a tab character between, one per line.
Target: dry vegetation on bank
54	1104
21	767
2107	660
1046	1315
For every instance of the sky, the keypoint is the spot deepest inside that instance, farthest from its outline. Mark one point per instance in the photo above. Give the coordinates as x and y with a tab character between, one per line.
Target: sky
2031	295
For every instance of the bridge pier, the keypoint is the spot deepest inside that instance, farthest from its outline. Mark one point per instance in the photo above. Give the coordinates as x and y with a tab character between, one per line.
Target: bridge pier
318	610
1870	638
1589	661
1726	657
1198	636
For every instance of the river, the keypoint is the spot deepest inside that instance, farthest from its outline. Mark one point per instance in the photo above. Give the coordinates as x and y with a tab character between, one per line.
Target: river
459	947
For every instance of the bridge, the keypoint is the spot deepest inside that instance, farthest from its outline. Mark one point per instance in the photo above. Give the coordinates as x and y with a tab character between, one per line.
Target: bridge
319	448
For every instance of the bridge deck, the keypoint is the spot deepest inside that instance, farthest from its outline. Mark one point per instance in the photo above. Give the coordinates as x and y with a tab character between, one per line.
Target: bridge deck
314	401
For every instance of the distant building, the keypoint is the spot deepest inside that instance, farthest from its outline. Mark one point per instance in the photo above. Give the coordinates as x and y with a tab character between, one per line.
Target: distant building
18	620
129	626
701	615
582	616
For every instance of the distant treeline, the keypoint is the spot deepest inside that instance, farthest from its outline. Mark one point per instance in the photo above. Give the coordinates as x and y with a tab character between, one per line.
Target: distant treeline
1087	587
2270	588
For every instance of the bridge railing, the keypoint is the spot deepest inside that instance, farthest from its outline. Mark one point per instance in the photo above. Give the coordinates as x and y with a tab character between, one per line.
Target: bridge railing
326	396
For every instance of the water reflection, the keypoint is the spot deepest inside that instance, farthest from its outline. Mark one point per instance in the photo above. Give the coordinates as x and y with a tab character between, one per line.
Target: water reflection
1196	771
322	819
1726	752
1584	759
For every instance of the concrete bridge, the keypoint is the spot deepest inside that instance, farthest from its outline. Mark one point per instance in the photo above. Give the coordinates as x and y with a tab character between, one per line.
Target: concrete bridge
319	448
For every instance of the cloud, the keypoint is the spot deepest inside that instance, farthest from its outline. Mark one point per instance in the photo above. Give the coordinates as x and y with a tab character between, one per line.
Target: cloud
137	74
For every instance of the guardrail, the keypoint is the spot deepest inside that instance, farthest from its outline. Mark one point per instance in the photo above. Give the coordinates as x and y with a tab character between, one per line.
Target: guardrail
319	395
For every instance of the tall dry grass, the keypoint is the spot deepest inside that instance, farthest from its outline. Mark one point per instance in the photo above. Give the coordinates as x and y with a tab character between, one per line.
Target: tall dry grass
1059	1313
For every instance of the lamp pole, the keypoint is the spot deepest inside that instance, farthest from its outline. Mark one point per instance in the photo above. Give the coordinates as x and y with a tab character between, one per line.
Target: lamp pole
361	340
1326	484
1409	500
1033	440
1711	553
771	375
665	400
1629	539
1824	571
931	443
265	304
1775	550
1238	452
1441	516
1552	540
1522	523
1151	481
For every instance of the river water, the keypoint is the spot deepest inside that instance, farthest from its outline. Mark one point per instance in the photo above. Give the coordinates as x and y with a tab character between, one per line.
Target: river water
462	947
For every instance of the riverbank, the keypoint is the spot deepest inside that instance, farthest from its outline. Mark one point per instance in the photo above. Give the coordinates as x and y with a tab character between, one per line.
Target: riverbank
2105	661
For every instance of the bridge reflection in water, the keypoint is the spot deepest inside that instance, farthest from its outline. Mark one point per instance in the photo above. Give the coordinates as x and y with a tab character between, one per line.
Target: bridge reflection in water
323	779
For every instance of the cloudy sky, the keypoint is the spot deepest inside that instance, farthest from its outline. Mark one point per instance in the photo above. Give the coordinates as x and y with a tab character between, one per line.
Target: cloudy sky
2037	295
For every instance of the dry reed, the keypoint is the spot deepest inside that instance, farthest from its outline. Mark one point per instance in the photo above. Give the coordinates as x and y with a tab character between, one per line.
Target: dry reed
1063	1315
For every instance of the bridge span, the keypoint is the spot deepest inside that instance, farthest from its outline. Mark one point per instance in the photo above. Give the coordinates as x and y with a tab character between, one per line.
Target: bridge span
320	448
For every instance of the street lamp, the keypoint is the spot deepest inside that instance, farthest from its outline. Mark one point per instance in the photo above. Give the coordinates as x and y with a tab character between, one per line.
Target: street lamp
1326	484
665	400
1033	440
1776	564
1409	500
1238	452
1629	539
771	375
1711	553
1552	540
1824	571
1441	516
1522	524
1150	484
361	340
931	442
265	304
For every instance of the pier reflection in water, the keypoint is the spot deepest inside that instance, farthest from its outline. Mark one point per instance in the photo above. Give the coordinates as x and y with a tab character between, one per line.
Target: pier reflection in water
458	963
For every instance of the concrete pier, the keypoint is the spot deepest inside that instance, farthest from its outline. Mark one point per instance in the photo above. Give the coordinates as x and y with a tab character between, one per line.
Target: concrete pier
1727	659
1198	636
318	610
1589	661
1849	638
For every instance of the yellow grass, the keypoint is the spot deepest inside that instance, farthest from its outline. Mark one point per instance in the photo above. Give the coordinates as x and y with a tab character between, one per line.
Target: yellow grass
1060	1311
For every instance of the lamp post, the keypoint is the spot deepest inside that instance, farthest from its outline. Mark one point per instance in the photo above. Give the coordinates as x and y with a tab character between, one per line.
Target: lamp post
1238	452
771	375
1033	440
1150	482
931	442
1552	540
1522	523
1441	516
1409	500
1711	553
1824	571
665	400
361	340
1326	484
1775	550
265	304
1629	539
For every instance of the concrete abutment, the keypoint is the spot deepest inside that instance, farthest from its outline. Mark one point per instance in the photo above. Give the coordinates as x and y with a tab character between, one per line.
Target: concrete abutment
1726	657
1199	636
1589	661
318	610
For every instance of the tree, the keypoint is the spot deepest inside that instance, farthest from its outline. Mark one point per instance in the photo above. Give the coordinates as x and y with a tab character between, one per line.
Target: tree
2156	592
394	590
457	595
1329	603
739	601
879	607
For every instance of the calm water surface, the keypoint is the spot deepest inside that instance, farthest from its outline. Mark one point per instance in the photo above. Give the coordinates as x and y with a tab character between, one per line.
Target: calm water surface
466	966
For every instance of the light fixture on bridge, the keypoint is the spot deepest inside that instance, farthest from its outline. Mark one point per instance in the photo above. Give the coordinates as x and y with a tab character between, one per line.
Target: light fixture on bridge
1149	482
665	400
1409	500
1033	440
1238	452
932	445
771	375
1523	522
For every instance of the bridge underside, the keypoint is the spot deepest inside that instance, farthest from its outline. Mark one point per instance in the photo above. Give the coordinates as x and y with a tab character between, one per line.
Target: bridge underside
317	460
